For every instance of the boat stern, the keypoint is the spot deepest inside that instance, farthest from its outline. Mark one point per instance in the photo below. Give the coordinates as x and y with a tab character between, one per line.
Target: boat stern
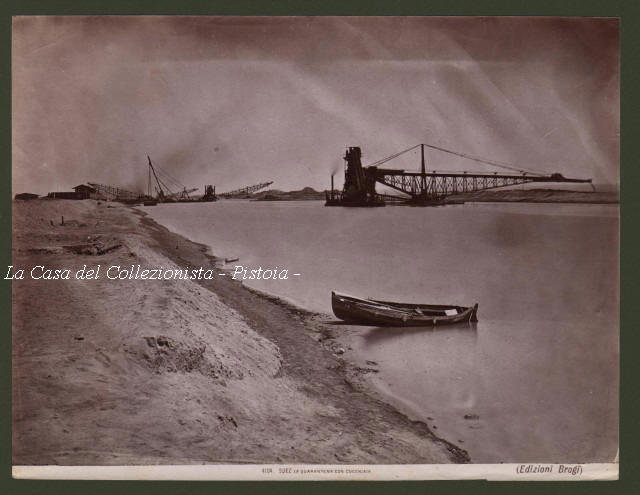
474	313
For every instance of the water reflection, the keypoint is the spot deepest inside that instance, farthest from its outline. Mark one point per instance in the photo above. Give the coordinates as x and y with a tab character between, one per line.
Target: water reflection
442	363
378	334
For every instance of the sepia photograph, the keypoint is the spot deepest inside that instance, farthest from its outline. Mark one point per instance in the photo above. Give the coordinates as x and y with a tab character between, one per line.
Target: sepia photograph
315	248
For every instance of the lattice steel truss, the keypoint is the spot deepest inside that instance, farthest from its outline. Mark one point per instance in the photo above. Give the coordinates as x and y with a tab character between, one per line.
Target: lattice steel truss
437	185
245	191
115	193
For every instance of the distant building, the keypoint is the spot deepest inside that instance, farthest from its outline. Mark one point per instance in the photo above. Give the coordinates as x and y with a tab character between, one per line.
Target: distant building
26	196
63	195
85	191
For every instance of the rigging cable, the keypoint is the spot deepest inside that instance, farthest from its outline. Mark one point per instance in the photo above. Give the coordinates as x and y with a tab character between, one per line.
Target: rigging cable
462	155
483	160
384	160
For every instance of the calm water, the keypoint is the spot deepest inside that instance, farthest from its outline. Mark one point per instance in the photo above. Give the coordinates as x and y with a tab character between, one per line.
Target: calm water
536	377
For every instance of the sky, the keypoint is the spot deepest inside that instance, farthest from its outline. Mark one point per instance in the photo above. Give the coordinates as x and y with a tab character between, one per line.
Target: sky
234	101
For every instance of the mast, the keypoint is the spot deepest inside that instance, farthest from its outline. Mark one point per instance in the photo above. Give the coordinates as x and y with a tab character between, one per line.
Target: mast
160	191
423	174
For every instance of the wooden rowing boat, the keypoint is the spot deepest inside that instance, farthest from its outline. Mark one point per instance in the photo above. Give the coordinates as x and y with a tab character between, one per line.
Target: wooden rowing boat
385	313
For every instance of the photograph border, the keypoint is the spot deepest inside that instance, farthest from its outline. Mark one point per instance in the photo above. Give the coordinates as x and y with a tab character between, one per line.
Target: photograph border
627	11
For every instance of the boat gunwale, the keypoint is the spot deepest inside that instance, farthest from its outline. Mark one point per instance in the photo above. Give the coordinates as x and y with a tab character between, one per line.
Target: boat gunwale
395	305
378	313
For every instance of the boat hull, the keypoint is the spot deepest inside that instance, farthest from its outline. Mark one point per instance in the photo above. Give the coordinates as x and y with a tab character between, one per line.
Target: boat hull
384	313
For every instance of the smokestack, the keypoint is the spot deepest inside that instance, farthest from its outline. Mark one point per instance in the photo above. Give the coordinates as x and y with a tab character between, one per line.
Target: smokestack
332	183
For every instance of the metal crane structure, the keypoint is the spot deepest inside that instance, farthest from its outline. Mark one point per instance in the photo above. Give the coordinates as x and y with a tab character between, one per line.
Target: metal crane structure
245	192
209	193
112	193
163	192
425	188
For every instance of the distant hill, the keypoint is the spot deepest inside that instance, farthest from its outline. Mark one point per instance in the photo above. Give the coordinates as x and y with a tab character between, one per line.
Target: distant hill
538	196
495	196
305	194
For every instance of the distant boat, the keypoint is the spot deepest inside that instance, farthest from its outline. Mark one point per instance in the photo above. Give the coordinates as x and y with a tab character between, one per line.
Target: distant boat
150	202
230	260
384	313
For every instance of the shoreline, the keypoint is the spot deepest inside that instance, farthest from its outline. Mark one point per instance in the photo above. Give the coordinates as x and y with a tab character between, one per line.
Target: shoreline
439	377
273	373
352	374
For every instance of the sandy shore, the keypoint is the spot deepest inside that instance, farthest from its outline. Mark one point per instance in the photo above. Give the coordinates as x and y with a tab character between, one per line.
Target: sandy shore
109	372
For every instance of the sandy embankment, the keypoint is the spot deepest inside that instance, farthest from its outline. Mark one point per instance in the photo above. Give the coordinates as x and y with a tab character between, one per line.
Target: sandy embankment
141	372
537	196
